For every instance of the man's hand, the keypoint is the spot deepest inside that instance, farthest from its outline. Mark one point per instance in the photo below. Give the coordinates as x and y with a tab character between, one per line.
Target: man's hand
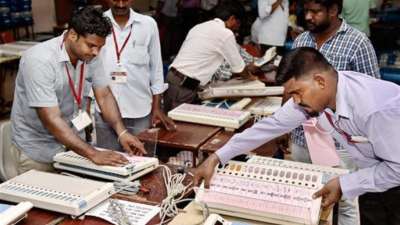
330	193
253	69
206	170
159	117
109	158
132	144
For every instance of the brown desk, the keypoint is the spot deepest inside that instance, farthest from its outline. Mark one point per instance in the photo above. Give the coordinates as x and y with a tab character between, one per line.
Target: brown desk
223	136
152	181
188	136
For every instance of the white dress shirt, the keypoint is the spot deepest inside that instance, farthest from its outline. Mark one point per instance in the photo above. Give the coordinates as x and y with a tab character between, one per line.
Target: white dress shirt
141	58
366	108
204	50
270	28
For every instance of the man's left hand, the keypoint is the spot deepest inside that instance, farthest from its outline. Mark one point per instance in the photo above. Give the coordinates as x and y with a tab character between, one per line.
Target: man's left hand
159	117
132	144
330	193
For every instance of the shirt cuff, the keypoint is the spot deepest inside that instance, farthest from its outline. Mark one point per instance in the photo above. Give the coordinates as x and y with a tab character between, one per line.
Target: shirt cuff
238	68
224	154
101	83
356	183
159	89
42	104
268	10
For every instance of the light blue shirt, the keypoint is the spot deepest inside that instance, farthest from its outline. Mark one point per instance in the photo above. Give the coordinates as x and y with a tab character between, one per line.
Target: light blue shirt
42	81
141	57
365	107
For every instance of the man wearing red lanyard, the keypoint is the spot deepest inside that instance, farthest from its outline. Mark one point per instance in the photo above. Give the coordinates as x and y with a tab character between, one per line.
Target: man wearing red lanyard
132	58
47	115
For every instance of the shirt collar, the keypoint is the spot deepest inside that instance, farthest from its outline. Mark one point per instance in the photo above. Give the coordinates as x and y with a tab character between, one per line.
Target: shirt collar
220	22
342	29
342	108
133	17
62	52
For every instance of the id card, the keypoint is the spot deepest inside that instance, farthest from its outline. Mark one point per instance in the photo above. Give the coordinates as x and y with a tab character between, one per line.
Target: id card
119	75
82	120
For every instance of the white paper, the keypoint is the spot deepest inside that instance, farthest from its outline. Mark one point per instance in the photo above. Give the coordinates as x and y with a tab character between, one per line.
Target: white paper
139	214
81	121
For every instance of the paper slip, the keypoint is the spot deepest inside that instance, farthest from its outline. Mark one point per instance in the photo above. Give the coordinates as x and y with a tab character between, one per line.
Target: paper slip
136	213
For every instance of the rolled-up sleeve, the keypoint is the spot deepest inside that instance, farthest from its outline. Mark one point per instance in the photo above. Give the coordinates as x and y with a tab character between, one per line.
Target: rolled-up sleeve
265	8
98	75
383	133
39	79
284	120
156	66
231	54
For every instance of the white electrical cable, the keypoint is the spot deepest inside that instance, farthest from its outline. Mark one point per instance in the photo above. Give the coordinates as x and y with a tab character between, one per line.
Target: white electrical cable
176	190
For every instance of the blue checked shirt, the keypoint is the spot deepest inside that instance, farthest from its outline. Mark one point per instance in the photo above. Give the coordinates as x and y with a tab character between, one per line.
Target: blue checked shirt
349	49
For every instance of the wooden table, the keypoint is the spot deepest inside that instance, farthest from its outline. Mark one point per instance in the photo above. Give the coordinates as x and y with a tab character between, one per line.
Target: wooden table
188	136
152	181
222	137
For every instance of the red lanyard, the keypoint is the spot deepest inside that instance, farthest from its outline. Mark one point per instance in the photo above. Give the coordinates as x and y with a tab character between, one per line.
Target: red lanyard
77	95
340	131
117	50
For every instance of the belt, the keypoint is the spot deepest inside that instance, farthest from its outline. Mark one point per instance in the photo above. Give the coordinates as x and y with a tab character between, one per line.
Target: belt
178	74
186	81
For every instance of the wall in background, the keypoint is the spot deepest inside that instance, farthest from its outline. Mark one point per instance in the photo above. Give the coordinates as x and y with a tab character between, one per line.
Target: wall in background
44	15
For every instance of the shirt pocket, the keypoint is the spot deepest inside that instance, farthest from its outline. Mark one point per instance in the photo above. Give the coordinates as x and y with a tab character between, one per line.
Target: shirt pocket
139	56
339	61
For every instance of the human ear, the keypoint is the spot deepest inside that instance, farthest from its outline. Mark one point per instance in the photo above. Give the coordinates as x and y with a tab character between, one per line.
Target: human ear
320	80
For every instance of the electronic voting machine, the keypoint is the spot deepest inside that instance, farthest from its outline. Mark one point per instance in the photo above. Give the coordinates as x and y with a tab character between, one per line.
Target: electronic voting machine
12	214
201	114
137	166
69	195
268	191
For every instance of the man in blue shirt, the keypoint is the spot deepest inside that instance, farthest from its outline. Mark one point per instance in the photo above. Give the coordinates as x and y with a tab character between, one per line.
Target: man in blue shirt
48	112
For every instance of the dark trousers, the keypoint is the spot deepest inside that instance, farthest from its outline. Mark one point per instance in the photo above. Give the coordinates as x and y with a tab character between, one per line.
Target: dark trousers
177	94
380	208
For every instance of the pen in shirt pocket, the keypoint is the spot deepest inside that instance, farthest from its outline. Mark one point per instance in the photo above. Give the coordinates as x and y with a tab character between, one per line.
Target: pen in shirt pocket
359	139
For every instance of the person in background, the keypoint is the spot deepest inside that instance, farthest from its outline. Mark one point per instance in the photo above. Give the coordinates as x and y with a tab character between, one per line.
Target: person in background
271	25
357	14
167	18
206	47
48	113
132	59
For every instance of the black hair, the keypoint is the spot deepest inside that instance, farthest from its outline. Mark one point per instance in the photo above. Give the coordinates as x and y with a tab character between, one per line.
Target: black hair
90	20
328	4
230	8
300	62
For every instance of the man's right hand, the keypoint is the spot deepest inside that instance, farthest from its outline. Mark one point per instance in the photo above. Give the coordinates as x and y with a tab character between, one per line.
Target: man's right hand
109	158
206	170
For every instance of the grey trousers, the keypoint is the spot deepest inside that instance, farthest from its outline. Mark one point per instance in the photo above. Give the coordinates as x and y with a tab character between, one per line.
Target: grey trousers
176	94
18	163
348	211
106	136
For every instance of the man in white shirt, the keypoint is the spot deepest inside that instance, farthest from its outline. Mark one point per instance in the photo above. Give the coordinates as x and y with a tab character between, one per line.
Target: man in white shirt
132	58
270	27
205	48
